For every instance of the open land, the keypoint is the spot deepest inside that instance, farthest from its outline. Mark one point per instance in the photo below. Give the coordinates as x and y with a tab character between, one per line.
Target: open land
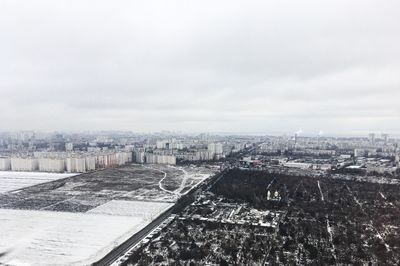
78	219
84	192
12	181
61	238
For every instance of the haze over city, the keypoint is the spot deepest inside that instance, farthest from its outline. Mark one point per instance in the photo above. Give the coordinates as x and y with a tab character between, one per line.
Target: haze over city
181	132
201	66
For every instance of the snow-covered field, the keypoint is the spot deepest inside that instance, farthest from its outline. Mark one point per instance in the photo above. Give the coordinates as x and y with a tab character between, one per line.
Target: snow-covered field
10	181
60	238
42	237
145	209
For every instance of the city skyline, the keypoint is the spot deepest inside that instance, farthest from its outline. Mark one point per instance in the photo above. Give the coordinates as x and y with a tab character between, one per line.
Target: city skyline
299	133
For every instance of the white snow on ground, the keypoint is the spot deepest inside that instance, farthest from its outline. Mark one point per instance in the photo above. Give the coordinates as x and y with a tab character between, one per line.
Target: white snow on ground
10	181
146	210
378	235
330	232
59	238
384	197
320	191
160	185
184	179
194	177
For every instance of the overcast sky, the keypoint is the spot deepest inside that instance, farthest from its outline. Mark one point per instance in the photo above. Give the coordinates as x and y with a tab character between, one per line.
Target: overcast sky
201	66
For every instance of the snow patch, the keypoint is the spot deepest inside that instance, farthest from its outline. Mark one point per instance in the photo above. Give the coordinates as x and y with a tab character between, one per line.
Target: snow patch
144	209
10	181
59	238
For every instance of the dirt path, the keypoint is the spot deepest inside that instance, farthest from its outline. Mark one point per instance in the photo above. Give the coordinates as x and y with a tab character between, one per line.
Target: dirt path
378	234
320	191
160	185
183	182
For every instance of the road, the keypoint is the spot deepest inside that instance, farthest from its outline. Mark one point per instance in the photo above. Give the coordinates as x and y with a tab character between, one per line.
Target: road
185	200
133	240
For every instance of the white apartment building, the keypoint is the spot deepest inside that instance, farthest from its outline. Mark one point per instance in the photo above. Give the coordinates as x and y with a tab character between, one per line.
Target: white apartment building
123	157
76	164
215	148
69	146
160	159
5	164
51	165
24	164
140	157
90	162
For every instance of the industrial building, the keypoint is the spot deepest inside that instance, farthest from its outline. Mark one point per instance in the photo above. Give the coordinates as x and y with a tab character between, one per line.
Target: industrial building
292	164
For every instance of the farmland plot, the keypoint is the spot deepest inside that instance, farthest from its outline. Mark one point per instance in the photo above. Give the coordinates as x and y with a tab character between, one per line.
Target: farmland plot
81	193
60	238
10	181
52	219
144	209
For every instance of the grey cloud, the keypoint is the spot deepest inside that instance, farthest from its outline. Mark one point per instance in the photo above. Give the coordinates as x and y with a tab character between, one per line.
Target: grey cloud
264	66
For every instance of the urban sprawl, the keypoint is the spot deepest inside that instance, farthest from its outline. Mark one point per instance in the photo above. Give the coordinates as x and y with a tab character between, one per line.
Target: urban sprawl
199	199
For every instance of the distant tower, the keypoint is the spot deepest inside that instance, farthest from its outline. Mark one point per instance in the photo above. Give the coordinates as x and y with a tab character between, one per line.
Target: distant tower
385	137
69	146
372	137
295	140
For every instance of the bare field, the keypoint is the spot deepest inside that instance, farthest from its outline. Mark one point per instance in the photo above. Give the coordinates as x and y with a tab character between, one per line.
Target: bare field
78	219
146	209
62	238
84	192
11	181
